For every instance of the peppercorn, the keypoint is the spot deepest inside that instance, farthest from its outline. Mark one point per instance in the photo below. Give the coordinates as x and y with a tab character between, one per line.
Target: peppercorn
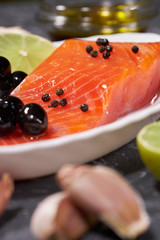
99	41
105	42
54	103
93	53
106	55
109	48
59	91
45	97
101	49
84	107
135	49
89	48
63	102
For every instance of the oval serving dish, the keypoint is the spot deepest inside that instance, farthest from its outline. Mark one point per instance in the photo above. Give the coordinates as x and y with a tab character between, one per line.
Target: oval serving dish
41	158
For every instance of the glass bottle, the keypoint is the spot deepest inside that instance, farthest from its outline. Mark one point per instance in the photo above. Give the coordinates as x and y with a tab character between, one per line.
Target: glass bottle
81	18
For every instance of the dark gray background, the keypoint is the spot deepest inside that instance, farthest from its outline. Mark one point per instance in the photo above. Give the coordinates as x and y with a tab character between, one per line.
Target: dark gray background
14	225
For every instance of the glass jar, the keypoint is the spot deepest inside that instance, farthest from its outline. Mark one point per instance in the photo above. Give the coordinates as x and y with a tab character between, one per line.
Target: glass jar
81	18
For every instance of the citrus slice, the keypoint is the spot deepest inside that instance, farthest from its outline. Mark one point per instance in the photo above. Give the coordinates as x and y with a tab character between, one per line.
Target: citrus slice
148	142
24	50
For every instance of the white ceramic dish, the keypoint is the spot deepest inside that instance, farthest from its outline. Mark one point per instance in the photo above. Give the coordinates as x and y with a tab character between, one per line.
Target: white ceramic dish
45	157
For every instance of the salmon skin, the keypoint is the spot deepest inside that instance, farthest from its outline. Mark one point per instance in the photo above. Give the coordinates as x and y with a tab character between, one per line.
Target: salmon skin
111	87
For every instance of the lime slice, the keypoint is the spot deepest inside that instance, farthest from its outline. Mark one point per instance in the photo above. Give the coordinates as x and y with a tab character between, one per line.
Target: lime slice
24	50
148	142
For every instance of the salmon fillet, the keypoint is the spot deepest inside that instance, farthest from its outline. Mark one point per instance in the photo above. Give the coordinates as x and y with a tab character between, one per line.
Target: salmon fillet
111	88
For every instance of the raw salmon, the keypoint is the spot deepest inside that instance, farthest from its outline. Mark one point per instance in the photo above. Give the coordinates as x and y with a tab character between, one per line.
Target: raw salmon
110	87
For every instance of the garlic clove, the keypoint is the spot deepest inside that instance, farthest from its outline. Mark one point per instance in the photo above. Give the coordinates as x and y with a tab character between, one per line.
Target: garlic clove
102	191
56	217
6	191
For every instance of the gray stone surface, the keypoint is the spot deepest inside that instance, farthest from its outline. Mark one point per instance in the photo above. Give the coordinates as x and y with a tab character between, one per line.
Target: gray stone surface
14	225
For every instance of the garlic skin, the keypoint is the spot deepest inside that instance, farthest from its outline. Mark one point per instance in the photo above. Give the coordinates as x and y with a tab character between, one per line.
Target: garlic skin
42	221
56	217
102	191
6	191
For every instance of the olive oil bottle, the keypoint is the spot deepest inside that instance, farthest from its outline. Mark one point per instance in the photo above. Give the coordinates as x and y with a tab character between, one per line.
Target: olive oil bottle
81	18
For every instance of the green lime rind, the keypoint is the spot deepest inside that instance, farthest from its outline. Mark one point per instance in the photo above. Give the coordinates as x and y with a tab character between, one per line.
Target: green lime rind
25	51
148	143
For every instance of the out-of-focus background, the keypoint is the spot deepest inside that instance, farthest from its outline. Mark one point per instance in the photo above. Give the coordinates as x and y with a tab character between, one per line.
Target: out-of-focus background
25	13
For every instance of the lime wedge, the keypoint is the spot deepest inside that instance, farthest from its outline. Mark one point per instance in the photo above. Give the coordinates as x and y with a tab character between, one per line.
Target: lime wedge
148	142
24	50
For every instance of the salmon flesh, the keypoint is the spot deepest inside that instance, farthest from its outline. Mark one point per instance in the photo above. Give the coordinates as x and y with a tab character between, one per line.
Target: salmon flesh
111	88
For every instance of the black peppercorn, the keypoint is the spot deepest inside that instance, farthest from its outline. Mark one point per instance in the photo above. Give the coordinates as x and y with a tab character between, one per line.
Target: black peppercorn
106	55
109	48
89	48
93	53
101	49
45	97
84	107
99	41
105	42
63	102
135	49
54	103
59	91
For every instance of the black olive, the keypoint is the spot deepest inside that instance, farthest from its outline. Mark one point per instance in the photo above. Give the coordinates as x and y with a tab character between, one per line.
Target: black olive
5	67
32	119
5	88
4	93
17	77
7	122
14	104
